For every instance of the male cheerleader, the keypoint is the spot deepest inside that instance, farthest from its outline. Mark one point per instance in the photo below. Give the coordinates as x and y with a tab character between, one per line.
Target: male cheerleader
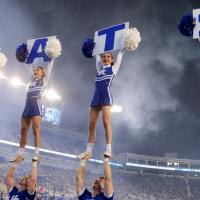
27	184
102	188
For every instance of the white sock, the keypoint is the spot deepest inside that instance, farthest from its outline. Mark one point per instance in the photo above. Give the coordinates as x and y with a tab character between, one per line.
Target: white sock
89	147
108	147
83	163
37	150
20	151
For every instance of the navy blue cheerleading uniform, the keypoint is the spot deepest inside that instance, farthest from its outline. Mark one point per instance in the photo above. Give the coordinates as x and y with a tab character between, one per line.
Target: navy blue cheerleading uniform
15	194
33	105
105	74
86	195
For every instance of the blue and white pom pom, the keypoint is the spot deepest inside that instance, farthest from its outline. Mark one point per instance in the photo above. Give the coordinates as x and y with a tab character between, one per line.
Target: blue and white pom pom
3	59
87	47
131	39
22	52
187	25
53	48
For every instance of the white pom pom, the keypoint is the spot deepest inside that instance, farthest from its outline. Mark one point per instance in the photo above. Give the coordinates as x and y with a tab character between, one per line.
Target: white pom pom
3	59
53	48
131	38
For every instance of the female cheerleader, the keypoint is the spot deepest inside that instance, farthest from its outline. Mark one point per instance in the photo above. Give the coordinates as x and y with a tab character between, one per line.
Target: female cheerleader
32	113
102	100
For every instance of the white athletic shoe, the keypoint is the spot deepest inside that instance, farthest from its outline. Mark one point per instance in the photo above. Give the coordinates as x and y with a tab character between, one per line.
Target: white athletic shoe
36	157
17	158
107	154
85	153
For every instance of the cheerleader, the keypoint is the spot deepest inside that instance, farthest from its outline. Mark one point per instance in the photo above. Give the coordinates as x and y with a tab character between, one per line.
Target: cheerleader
32	113
102	101
25	188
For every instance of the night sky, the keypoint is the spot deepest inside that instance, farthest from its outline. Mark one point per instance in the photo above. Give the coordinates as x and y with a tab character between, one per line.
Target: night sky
158	85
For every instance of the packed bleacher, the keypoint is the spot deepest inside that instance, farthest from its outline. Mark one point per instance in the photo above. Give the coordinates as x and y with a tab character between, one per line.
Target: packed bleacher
59	183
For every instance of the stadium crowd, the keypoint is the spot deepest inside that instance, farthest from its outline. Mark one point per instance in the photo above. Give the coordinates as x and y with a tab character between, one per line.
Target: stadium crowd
59	183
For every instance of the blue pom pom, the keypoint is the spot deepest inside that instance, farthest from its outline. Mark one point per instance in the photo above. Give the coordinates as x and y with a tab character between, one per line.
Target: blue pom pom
22	52
87	47
186	25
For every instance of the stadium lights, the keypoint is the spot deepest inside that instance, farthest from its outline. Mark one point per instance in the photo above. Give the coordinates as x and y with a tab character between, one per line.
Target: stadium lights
3	76
150	166
175	164
52	95
170	163
15	81
177	169
116	109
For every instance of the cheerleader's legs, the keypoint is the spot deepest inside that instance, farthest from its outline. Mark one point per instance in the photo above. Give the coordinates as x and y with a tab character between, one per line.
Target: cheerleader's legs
106	115
36	121
93	118
25	124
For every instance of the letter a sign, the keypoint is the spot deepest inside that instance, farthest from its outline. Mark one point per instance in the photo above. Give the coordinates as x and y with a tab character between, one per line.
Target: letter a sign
109	39
36	49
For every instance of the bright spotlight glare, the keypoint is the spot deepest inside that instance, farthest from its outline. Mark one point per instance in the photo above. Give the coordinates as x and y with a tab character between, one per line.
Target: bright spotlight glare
52	95
175	164
3	77
17	82
116	109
